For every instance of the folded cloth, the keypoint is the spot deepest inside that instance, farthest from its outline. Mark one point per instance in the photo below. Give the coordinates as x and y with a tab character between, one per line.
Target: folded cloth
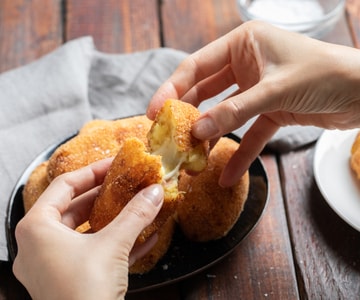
51	98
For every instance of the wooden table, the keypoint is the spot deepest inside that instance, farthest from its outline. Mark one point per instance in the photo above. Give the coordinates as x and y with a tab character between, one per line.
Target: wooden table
300	249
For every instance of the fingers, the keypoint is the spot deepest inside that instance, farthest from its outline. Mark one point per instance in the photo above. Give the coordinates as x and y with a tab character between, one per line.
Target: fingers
211	86
233	112
65	187
192	71
166	91
252	143
80	208
135	216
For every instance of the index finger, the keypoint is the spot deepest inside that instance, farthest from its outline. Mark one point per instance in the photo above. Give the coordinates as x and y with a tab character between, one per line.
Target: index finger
200	65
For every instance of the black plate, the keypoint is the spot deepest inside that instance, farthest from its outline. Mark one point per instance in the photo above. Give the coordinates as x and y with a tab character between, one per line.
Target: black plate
184	258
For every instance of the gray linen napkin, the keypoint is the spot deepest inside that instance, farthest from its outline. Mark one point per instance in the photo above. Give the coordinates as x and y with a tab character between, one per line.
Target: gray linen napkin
49	99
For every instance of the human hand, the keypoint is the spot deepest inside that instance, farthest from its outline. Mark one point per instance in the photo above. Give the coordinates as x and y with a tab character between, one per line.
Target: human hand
283	78
56	262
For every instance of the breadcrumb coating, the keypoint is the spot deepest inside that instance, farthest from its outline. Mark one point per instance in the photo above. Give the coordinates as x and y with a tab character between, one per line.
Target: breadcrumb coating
208	211
171	148
98	139
35	185
132	170
150	259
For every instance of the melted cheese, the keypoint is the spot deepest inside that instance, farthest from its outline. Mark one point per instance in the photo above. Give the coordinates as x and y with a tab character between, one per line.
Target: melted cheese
171	159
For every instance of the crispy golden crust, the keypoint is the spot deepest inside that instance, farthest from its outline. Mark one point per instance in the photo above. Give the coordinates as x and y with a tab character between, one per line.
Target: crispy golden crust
147	262
132	170
84	227
35	186
355	156
98	139
209	211
174	121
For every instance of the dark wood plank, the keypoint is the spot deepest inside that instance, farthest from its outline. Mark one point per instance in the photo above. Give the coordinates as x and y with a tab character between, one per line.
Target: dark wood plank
116	26
189	25
353	13
28	30
326	248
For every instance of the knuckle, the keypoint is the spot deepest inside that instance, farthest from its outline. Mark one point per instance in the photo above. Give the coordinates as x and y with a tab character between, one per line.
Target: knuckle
139	212
235	111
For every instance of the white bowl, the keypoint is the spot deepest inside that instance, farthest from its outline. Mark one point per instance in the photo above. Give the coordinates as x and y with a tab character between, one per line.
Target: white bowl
310	17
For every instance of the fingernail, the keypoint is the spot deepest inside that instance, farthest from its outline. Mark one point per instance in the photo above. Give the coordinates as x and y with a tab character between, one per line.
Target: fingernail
205	128
154	193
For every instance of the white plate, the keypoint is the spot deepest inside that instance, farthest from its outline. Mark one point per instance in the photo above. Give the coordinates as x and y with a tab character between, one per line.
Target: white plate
337	182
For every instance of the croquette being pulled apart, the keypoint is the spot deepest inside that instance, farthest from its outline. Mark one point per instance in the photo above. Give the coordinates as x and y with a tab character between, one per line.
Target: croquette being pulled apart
171	148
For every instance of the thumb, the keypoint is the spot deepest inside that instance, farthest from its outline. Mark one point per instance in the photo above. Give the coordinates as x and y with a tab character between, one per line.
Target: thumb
136	215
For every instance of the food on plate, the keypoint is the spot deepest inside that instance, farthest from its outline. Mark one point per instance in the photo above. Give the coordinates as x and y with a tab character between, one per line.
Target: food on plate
132	169
208	211
171	149
355	155
146	152
35	185
170	136
150	259
98	139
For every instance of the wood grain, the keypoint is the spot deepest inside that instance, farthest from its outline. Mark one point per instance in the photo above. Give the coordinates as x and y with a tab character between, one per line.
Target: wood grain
326	249
189	25
28	30
116	26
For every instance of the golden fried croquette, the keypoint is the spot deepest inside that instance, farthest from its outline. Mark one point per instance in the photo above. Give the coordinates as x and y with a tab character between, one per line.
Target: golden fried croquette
35	186
149	260
132	170
84	227
170	136
93	125
135	167
355	155
98	139
208	211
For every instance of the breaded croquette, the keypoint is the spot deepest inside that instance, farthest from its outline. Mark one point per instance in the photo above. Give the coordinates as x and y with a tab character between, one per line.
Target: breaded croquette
208	211
98	139
35	185
132	170
171	148
150	259
170	136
